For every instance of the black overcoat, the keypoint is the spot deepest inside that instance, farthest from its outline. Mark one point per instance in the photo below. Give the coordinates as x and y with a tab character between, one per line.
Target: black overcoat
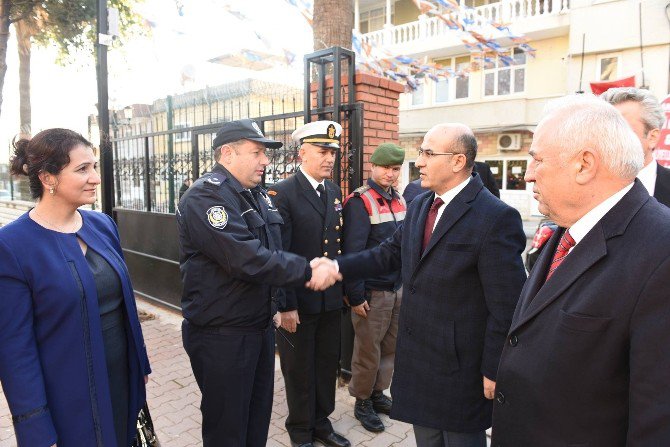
458	301
588	353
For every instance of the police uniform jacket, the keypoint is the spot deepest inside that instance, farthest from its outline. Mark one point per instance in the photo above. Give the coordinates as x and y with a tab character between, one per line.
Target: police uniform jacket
310	230
364	229
230	253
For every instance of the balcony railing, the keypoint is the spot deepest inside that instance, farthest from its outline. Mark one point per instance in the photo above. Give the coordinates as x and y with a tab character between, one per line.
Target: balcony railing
506	11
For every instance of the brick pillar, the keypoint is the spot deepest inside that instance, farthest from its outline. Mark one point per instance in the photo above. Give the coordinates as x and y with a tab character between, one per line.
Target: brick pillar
380	110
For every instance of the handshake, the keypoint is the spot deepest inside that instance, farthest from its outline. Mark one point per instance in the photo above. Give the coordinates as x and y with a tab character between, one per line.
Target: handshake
324	274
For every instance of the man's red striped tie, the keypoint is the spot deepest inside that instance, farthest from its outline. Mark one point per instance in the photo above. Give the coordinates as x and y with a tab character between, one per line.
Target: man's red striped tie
564	246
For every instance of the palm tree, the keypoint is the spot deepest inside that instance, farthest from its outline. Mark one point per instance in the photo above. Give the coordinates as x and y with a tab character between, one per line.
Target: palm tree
333	22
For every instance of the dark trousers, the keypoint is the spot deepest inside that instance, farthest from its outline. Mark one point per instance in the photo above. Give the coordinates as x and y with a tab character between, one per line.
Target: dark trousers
431	437
235	373
310	373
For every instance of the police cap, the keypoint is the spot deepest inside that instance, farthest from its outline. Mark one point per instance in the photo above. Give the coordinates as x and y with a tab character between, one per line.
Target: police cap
244	129
320	133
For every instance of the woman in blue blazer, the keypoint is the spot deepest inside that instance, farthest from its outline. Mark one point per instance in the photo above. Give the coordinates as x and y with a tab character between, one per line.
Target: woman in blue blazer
73	364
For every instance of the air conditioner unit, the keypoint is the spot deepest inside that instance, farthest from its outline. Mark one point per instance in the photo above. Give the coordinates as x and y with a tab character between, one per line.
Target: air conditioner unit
509	141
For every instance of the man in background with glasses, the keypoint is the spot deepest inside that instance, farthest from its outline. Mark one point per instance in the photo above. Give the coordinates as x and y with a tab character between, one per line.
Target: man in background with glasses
459	250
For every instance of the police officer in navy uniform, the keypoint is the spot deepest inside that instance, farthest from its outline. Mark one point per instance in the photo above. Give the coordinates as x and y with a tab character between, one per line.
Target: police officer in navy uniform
311	208
231	263
372	213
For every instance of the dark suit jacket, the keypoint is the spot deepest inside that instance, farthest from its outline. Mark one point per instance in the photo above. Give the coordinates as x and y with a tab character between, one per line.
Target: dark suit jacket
414	188
310	231
588	356
662	187
458	301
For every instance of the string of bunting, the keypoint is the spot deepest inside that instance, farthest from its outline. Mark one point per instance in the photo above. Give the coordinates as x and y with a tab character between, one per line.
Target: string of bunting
479	39
245	57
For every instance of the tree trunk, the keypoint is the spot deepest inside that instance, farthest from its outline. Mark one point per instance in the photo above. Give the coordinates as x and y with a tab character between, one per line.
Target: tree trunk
333	22
4	37
23	37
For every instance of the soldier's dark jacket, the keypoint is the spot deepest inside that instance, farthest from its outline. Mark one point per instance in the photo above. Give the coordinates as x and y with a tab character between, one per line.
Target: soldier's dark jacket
371	215
312	231
230	253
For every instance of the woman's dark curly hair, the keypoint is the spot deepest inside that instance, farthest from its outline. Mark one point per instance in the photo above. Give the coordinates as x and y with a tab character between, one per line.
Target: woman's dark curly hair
48	151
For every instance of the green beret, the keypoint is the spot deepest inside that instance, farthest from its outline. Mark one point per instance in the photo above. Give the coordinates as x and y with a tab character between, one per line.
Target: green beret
388	154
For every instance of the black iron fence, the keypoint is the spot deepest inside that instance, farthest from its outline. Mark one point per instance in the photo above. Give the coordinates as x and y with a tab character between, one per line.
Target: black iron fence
150	168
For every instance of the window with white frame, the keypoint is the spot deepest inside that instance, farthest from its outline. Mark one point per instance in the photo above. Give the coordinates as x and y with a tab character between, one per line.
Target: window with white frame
506	74
608	68
457	87
418	94
509	173
373	20
180	137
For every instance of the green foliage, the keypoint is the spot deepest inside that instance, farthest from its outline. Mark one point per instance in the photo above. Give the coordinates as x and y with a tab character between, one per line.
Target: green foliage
71	24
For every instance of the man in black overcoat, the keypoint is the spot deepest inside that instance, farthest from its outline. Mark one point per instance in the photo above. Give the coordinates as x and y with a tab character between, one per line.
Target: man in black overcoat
459	249
645	116
588	352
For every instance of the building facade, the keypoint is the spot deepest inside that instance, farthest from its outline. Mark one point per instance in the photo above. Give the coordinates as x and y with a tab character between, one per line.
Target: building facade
577	42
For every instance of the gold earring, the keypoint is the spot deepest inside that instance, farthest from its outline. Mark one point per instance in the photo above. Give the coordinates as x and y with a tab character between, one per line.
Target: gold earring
51	191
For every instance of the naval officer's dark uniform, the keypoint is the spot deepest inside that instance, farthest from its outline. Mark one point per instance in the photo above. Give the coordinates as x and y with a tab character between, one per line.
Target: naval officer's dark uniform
230	262
312	228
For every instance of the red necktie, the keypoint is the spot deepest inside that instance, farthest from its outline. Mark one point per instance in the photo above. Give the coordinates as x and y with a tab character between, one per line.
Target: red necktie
430	222
564	246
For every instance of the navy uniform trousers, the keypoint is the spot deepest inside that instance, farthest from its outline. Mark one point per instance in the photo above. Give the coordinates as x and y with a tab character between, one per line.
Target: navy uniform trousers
235	371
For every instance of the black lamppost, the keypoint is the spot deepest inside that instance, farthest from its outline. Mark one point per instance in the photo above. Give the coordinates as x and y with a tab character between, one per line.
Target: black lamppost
106	156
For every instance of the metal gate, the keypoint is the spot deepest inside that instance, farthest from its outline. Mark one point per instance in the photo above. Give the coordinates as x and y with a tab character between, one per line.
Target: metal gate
152	162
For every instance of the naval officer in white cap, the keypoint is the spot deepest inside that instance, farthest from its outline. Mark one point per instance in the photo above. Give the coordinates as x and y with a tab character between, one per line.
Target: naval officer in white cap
311	207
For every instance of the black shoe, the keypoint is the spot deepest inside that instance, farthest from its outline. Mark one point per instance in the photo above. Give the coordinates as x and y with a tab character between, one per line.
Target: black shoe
381	402
301	444
333	439
366	414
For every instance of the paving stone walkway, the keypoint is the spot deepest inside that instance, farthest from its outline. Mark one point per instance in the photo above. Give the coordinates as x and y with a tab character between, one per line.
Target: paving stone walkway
174	398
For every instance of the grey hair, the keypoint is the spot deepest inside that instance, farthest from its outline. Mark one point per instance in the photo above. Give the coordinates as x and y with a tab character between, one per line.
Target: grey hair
652	113
586	121
468	144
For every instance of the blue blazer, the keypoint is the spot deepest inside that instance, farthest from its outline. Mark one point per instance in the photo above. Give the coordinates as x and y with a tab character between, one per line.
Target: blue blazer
52	359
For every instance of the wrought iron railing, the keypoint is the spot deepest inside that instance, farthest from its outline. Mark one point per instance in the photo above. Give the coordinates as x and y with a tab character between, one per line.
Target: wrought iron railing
505	11
150	168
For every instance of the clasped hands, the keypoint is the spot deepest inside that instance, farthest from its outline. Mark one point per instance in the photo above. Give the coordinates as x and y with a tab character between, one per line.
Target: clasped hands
324	274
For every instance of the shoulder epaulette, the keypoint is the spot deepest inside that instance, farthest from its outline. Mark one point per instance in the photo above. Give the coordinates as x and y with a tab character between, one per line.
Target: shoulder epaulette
213	179
361	190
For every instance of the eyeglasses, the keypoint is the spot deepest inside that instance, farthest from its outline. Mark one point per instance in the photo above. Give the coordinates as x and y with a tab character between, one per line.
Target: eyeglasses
428	153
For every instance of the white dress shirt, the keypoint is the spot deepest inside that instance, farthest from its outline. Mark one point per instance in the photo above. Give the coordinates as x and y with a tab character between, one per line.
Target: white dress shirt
580	228
448	197
647	176
314	183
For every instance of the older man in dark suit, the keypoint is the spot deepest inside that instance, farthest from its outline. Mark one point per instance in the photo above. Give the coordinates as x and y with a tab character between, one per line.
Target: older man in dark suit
644	115
414	188
588	353
460	253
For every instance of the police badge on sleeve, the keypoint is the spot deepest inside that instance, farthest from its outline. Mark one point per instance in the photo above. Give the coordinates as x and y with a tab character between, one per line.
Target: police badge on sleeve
217	217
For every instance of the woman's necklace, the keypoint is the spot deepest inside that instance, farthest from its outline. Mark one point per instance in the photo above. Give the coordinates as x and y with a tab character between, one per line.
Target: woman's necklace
58	227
